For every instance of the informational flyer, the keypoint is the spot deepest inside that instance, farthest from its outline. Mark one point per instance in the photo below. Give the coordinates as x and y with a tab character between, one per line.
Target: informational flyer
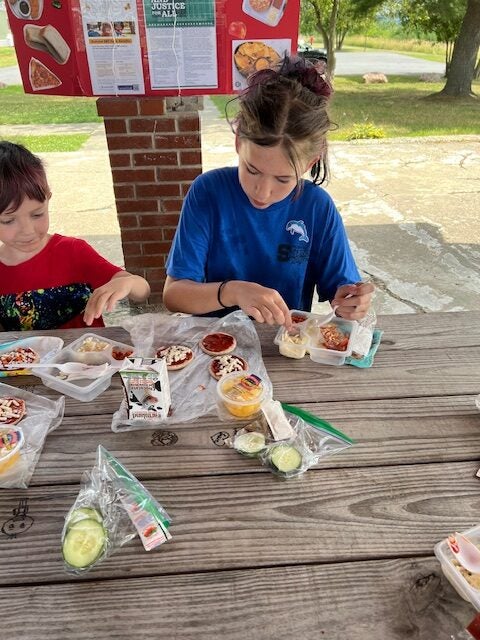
112	44
181	44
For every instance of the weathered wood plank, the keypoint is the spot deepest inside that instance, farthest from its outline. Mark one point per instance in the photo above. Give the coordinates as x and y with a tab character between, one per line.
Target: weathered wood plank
396	374
401	331
386	432
233	522
387	599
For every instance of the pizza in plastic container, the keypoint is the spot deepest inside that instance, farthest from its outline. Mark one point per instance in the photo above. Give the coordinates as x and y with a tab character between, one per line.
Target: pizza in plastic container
15	356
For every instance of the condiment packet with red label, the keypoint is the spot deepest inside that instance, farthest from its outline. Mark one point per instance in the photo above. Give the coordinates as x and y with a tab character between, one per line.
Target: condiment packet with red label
147	389
151	530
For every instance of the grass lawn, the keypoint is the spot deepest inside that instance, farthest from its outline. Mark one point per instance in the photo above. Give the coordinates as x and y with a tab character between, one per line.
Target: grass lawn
55	142
16	107
396	109
7	57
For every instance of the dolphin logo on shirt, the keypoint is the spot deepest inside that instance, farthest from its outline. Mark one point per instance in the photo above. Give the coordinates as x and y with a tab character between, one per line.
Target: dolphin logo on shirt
298	226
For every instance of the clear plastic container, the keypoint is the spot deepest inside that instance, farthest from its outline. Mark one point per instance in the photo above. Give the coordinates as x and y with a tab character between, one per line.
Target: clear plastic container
452	572
292	345
312	341
241	393
11	442
85	389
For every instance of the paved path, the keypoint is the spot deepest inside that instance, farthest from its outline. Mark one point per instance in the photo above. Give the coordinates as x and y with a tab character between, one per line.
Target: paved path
360	62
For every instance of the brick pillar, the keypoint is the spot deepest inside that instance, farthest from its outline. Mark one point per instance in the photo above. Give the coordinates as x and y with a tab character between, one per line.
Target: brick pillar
155	154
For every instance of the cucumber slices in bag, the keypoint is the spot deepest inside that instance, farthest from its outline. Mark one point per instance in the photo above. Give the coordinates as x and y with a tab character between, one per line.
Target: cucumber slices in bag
285	458
85	539
249	444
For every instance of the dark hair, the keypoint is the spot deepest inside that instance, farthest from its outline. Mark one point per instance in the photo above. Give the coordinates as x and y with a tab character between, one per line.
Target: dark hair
287	105
22	175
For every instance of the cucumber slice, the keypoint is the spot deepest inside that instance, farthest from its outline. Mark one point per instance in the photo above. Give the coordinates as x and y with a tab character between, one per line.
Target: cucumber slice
84	543
250	443
84	513
285	458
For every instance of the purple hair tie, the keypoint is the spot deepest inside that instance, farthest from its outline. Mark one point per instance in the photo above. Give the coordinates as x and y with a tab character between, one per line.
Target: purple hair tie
312	80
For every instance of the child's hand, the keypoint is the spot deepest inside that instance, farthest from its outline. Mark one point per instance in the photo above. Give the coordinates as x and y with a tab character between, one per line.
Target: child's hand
262	303
106	297
352	301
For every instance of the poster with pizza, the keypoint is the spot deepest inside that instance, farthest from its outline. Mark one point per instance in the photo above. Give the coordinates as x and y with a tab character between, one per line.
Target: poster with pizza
148	47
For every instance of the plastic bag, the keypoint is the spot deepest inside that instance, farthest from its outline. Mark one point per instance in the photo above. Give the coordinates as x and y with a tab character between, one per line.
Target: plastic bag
23	442
311	439
193	389
112	506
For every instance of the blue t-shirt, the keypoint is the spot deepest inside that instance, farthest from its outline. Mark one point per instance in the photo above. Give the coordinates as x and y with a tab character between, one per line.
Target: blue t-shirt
292	246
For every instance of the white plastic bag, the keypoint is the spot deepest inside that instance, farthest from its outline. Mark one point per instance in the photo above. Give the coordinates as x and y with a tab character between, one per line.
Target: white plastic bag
41	417
193	389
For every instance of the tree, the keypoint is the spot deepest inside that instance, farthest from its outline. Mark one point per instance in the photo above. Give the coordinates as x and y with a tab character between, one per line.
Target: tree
319	16
325	13
443	19
465	50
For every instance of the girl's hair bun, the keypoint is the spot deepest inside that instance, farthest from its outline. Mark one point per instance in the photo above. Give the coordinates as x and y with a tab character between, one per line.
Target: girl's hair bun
295	68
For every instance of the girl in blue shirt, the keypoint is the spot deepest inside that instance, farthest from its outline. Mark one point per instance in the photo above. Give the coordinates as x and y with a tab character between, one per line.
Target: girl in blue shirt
259	237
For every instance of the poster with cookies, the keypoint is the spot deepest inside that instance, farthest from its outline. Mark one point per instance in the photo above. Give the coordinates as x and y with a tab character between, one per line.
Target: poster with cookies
261	32
147	47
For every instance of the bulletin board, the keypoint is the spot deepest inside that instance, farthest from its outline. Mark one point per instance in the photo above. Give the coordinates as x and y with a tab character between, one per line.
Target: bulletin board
148	47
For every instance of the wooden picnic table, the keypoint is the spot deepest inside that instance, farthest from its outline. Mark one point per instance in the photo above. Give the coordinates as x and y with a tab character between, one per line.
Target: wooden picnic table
345	551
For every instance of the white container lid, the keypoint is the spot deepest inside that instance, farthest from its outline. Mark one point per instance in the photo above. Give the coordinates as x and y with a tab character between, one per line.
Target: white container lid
451	572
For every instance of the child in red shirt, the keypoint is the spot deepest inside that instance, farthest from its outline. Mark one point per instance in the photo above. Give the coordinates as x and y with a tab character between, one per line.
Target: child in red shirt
49	281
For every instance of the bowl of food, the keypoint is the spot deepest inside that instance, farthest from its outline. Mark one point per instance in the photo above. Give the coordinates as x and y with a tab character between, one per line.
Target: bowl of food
241	393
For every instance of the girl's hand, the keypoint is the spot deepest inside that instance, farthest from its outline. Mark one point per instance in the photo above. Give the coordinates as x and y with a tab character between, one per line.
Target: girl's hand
352	301
106	297
262	303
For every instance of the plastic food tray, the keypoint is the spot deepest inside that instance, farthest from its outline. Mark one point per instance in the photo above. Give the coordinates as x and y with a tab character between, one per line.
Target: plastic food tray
453	575
85	389
309	330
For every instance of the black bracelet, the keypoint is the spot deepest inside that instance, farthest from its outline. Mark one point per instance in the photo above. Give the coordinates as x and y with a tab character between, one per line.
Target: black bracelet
219	291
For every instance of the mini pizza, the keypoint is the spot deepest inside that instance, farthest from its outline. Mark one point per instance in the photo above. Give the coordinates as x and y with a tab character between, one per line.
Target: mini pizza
41	78
176	356
18	358
12	410
217	344
332	338
221	365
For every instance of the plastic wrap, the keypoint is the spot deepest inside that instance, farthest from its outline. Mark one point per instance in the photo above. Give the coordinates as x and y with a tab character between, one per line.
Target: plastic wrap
41	417
310	439
193	389
112	506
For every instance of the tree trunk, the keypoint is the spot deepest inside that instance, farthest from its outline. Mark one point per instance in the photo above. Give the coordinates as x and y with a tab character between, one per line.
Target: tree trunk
328	32
332	28
476	73
462	65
